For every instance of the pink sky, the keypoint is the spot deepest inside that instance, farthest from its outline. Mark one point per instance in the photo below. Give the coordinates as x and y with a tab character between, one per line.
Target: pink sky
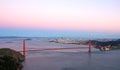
86	15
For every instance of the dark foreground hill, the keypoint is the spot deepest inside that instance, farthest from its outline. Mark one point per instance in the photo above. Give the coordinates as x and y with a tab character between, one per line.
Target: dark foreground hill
10	59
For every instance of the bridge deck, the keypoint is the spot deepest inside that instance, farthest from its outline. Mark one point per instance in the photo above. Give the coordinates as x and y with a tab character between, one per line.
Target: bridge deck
43	49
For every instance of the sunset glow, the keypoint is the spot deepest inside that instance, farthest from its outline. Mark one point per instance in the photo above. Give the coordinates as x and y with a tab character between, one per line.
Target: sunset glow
75	15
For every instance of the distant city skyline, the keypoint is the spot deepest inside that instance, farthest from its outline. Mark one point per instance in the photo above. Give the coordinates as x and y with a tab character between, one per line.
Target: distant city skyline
72	18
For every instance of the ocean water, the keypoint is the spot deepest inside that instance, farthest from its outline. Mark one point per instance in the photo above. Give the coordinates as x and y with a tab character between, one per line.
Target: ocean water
72	59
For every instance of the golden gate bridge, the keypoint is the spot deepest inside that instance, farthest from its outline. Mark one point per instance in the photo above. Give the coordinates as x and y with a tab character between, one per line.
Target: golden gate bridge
43	49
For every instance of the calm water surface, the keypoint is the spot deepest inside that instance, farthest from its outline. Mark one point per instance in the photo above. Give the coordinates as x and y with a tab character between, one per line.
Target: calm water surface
50	60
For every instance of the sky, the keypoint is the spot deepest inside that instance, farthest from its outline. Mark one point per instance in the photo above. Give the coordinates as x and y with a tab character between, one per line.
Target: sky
60	18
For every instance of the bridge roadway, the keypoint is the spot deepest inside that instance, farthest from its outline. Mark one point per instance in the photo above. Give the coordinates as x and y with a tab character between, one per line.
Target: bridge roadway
43	49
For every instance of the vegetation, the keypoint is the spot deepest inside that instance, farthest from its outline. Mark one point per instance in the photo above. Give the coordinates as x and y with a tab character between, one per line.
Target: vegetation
115	47
10	59
114	44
